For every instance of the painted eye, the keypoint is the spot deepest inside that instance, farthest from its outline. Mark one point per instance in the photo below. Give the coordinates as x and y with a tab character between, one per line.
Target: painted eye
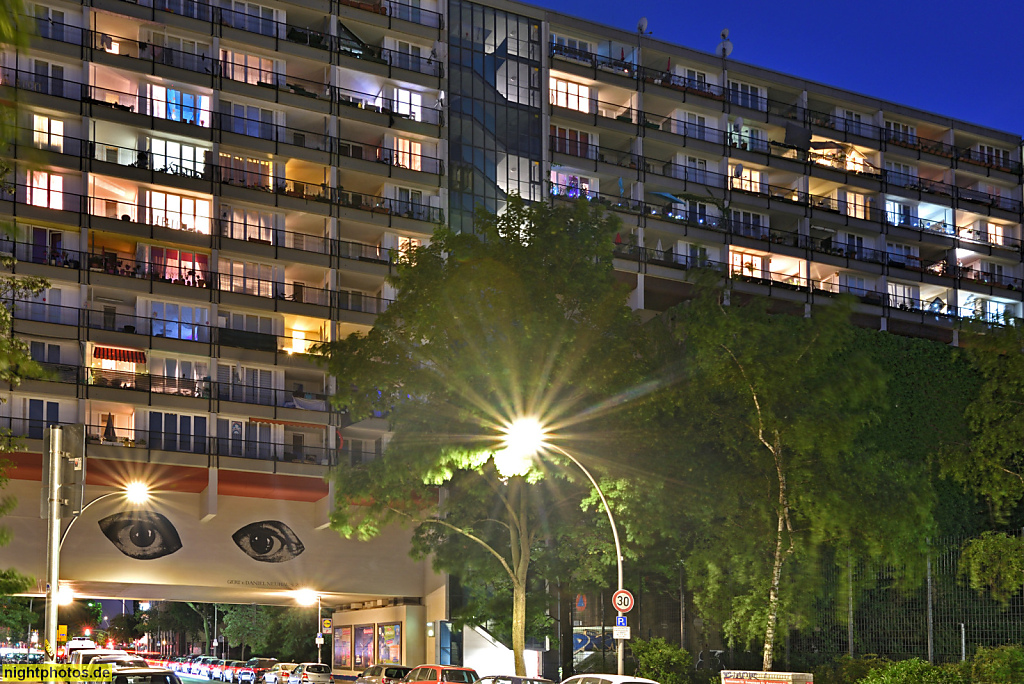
143	535
268	541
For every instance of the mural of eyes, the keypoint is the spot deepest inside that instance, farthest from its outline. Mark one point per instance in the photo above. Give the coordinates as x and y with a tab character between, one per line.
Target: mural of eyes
143	535
268	541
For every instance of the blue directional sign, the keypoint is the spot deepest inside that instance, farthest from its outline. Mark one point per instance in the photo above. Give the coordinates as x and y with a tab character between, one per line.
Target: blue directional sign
620	620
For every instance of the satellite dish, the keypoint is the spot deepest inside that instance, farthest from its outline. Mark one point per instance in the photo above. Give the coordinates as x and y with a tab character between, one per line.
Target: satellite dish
439	49
737	171
737	125
641	26
724	48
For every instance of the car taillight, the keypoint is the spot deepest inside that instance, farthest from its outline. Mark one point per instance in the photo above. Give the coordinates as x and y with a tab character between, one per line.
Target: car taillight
305	677
385	680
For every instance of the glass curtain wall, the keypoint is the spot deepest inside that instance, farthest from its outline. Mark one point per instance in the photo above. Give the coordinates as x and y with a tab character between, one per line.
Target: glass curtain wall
495	132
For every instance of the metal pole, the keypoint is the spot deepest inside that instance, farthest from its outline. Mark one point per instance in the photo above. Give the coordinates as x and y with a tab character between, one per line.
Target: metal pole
621	647
931	616
963	642
53	544
319	638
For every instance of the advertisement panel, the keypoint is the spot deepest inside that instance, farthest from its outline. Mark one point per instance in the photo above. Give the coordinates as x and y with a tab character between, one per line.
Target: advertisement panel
362	646
389	644
343	647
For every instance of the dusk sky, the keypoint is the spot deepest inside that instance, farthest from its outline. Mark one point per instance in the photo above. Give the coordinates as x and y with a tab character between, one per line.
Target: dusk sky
957	59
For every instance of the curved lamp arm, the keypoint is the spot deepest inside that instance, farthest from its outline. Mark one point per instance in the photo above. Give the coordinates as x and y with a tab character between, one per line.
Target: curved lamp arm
607	509
78	515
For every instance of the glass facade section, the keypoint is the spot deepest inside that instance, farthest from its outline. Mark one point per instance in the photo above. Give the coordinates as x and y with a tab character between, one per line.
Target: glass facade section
495	134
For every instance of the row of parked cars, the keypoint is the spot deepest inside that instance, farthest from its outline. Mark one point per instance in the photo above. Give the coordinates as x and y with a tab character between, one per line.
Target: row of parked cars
252	671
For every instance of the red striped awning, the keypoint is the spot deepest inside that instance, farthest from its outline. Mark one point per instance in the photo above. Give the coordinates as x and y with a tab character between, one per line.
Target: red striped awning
128	355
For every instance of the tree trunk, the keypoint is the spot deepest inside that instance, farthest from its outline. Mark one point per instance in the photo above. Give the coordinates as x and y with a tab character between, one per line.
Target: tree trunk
780	557
519	627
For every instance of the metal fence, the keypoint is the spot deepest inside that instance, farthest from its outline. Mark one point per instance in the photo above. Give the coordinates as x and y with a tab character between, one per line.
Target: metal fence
938	617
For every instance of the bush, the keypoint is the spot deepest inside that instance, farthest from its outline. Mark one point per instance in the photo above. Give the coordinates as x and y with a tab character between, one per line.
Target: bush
917	671
661	661
847	670
1000	665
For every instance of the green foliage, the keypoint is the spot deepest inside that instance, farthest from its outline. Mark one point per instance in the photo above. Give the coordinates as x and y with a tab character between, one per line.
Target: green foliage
847	670
246	624
992	464
291	634
661	661
126	627
917	671
994	563
999	665
524	318
18	615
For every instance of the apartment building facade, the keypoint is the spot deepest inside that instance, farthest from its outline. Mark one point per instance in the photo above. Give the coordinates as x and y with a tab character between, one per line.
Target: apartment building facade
212	187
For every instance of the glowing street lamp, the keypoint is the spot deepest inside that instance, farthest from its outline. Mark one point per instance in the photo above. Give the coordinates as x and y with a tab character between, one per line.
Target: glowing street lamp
524	439
307	597
135	493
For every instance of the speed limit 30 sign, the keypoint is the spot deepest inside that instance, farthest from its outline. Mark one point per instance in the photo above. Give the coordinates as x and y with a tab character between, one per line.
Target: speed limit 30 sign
623	601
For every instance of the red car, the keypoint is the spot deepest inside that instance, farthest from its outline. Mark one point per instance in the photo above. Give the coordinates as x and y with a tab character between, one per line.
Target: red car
435	674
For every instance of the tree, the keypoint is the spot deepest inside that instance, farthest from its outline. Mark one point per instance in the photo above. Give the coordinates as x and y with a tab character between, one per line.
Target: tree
126	627
994	563
774	406
525	318
247	625
291	633
18	615
991	465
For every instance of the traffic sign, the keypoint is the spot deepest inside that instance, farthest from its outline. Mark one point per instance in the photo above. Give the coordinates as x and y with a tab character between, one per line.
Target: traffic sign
620	620
319	640
623	601
62	633
327	625
620	632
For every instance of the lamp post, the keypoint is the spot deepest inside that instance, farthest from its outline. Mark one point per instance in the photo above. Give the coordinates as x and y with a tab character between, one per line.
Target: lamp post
526	437
135	492
305	597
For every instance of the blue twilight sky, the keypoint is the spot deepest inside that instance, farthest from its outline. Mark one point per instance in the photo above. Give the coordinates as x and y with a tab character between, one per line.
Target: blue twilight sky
955	58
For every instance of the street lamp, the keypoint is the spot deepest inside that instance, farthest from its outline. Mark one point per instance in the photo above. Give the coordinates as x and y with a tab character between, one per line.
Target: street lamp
135	492
524	439
307	597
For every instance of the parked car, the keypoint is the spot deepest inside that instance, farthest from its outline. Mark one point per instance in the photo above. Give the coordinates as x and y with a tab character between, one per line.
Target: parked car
215	668
195	665
279	673
255	669
383	674
310	673
229	670
608	679
432	674
513	679
146	675
118	662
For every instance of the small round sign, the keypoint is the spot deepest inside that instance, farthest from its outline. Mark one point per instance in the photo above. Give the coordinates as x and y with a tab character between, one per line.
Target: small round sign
623	601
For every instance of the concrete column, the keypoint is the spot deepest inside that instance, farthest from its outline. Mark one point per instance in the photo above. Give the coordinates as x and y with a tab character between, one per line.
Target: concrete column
208	497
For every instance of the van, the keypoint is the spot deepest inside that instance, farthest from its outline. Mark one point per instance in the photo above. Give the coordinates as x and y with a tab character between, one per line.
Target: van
86	655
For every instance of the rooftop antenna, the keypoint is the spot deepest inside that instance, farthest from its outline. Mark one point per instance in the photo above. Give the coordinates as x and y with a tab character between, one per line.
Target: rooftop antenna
723	50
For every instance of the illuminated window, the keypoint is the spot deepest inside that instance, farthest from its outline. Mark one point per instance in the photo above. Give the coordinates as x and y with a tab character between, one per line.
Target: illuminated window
47	133
856	205
179	212
175	157
570	95
746	264
46	190
996	234
405	244
409	103
239	66
247	171
408	154
177	105
748	180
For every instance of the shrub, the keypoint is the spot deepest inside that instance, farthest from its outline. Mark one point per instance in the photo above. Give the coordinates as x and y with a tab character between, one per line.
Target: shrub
847	670
917	671
661	661
1000	665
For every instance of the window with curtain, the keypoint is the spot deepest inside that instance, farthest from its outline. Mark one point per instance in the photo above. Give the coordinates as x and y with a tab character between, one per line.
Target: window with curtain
46	190
178	105
179	212
240	66
408	154
47	133
177	266
241	223
247	171
181	321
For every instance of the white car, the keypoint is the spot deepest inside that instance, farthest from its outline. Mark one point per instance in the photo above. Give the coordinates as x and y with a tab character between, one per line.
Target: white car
279	673
608	679
310	673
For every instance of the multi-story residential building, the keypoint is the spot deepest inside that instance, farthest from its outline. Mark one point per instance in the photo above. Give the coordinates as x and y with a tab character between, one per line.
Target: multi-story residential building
214	187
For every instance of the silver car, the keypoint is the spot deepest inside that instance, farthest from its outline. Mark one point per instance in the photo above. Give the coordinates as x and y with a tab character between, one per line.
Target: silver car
383	674
310	673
